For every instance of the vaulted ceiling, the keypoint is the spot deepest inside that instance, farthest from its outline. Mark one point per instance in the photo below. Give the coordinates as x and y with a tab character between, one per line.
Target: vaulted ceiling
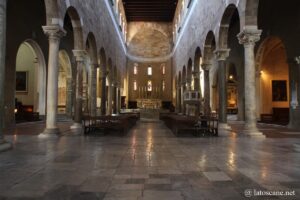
150	10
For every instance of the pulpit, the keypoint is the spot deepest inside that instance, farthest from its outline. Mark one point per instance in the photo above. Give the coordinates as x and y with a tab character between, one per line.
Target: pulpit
192	102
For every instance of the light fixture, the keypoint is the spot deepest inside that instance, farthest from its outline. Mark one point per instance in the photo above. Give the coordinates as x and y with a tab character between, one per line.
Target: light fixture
231	77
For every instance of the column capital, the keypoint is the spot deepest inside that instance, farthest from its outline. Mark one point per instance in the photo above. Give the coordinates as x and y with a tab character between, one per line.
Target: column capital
54	32
79	55
249	36
206	66
297	59
222	54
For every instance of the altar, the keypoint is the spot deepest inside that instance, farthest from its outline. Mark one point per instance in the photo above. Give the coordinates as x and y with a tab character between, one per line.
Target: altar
149	103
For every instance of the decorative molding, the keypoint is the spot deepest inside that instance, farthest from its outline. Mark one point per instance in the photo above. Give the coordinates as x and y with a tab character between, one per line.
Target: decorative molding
249	36
54	32
222	54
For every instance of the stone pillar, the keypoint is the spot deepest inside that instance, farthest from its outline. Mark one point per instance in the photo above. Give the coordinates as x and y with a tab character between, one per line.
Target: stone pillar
248	37
221	56
3	144
178	98
183	89
103	90
207	108
196	75
54	33
93	90
79	55
117	103
294	121
110	98
69	97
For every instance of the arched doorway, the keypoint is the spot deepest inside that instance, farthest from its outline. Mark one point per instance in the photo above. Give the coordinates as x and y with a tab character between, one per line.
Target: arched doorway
30	93
64	84
272	82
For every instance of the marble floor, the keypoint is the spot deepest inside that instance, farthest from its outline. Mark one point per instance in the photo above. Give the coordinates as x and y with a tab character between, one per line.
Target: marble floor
148	164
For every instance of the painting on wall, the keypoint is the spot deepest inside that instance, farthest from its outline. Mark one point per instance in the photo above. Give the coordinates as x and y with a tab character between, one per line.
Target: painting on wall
21	81
279	90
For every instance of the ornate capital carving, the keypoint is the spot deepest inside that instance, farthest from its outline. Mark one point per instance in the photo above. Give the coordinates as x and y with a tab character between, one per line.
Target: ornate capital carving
249	36
206	66
79	55
297	59
54	32
222	54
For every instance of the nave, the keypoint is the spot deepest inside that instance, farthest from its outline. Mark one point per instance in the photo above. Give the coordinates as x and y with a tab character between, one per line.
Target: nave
148	164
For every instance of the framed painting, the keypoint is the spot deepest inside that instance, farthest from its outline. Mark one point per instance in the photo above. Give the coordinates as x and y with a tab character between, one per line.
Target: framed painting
279	90
22	81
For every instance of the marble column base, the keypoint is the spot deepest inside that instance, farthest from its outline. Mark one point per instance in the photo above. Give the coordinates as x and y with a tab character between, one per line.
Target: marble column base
76	126
51	131
224	130
255	133
224	126
4	146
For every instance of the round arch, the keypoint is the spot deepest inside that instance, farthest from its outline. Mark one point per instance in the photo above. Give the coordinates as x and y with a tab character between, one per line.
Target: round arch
76	26
209	47
225	24
272	82
64	83
31	56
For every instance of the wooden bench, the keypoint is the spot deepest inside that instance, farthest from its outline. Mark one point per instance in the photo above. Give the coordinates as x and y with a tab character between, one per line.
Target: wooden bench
108	123
179	124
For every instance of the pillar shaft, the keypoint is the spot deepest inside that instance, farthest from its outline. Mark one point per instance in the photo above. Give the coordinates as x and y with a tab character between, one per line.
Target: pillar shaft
197	81
248	38
79	55
54	34
183	89
2	65
221	56
206	68
93	90
69	97
103	91
110	98
178	98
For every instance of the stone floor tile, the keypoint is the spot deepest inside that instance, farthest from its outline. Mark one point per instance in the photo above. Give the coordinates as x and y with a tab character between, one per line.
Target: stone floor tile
217	176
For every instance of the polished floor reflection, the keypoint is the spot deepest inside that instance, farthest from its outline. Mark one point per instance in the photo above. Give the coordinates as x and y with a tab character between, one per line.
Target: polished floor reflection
149	163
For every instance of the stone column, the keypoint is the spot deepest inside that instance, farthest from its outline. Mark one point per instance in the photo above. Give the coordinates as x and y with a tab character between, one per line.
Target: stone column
178	98
54	33
69	97
221	56
117	103
3	144
207	109
196	78
103	89
294	121
110	97
79	55
248	37
93	90
196	75
183	89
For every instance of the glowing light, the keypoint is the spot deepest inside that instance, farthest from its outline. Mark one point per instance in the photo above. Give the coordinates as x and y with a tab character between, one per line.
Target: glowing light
231	77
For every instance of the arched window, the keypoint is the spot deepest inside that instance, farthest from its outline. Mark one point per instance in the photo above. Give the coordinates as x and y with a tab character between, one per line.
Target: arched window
163	85
163	69
149	86
149	71
135	69
134	85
